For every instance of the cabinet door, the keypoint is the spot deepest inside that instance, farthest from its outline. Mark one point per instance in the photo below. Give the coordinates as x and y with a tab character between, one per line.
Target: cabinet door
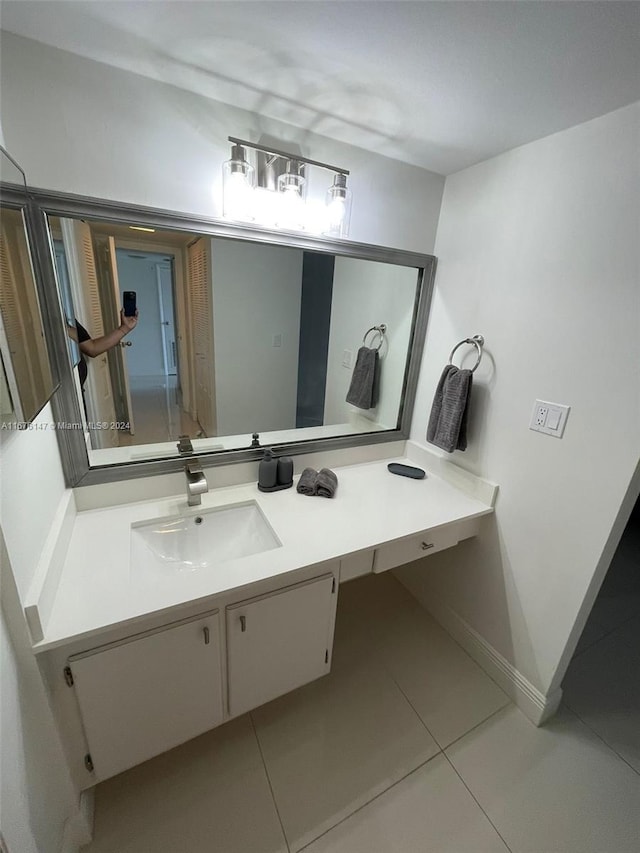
149	693
279	641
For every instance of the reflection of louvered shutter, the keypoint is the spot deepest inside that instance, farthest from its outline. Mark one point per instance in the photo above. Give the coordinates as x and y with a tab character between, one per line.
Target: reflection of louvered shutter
13	288
90	280
199	267
198	286
8	297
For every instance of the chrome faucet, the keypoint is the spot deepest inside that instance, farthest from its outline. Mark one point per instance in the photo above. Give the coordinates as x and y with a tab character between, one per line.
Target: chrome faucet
196	482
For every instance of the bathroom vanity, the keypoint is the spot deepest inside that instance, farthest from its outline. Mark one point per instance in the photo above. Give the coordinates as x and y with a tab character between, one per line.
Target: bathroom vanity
145	645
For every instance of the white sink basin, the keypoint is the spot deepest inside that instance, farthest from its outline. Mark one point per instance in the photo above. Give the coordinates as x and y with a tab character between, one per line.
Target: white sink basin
201	538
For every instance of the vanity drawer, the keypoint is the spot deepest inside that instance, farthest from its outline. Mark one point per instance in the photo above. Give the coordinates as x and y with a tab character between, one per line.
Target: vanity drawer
415	547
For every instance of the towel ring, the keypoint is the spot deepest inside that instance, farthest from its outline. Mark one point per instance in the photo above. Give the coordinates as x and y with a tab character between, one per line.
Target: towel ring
380	330
477	341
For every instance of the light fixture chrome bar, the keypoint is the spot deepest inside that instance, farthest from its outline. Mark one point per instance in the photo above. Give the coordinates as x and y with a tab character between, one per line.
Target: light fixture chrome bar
18	167
287	155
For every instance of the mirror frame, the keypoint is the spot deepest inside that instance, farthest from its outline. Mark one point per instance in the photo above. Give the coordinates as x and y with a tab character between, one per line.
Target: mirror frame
66	406
16	197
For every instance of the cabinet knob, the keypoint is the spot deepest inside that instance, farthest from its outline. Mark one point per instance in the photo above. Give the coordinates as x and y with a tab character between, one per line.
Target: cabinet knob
426	545
205	631
243	623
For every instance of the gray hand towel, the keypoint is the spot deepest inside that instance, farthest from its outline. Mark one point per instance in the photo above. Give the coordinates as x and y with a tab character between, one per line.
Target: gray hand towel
448	421
363	391
307	482
326	483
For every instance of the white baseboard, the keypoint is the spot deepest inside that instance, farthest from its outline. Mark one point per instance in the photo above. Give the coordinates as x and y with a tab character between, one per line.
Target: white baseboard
78	829
536	705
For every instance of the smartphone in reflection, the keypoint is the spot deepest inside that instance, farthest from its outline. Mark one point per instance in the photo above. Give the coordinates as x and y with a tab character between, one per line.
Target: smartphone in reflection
129	303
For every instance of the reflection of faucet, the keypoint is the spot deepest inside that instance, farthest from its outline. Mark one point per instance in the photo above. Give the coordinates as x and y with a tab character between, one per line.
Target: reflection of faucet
184	445
196	482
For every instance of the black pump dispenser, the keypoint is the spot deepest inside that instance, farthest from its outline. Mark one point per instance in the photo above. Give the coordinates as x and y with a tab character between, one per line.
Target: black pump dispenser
268	471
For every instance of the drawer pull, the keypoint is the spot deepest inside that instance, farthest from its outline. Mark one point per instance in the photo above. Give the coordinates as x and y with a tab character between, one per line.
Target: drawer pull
426	545
205	631
243	623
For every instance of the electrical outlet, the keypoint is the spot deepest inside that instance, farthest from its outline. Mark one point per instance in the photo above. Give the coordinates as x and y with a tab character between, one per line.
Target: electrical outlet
277	341
549	418
540	415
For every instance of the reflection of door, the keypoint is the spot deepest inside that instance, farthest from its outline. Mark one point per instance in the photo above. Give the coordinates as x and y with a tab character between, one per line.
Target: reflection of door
110	298
164	277
83	278
120	352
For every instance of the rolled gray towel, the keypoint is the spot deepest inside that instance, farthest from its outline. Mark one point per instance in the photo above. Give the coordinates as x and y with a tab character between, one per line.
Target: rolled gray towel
307	482
326	483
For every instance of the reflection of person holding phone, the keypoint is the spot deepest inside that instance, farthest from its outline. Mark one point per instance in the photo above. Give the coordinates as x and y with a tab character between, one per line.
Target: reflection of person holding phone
96	346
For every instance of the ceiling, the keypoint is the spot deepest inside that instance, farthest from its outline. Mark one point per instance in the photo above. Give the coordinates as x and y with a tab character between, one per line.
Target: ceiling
440	85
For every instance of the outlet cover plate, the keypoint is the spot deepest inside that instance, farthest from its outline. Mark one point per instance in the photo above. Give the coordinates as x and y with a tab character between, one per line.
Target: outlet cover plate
549	418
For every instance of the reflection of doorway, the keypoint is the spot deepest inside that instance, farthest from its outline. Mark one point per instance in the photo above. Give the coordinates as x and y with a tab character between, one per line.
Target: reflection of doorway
152	353
152	357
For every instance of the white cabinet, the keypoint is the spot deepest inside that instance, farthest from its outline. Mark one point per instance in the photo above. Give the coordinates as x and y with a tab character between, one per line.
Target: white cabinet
414	548
148	693
279	641
356	565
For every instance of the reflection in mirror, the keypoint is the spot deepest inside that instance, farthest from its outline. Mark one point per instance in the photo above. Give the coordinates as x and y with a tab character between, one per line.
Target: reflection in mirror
232	338
24	352
7	409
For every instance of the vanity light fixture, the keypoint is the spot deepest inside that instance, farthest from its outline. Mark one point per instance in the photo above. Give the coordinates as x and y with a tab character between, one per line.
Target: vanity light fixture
277	199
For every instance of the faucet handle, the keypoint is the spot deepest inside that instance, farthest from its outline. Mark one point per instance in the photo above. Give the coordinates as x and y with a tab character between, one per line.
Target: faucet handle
184	445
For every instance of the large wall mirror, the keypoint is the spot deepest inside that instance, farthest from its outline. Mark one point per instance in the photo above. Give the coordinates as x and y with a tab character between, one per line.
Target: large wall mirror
238	332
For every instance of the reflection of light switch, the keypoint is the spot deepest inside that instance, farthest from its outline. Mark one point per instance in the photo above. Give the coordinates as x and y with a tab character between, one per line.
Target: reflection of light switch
277	341
347	358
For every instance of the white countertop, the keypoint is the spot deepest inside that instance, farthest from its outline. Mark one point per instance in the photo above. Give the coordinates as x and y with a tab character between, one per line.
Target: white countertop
98	587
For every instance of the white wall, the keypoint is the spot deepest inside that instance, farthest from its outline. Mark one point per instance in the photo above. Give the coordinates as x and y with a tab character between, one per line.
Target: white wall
117	135
36	793
31	488
538	251
256	295
367	294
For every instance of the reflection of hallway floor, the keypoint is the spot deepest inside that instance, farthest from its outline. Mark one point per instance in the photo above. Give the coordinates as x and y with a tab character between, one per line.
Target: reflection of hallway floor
156	412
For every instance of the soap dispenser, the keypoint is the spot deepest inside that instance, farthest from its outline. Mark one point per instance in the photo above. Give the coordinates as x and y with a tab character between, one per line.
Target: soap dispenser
268	471
285	472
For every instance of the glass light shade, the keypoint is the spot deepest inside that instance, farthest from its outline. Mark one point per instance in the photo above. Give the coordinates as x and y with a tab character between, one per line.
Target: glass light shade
338	206
291	212
238	178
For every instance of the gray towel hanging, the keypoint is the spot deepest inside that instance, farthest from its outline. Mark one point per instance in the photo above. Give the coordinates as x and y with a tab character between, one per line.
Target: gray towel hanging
363	391
447	426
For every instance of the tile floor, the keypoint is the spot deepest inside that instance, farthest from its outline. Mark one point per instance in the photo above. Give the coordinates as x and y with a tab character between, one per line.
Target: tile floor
406	747
157	413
